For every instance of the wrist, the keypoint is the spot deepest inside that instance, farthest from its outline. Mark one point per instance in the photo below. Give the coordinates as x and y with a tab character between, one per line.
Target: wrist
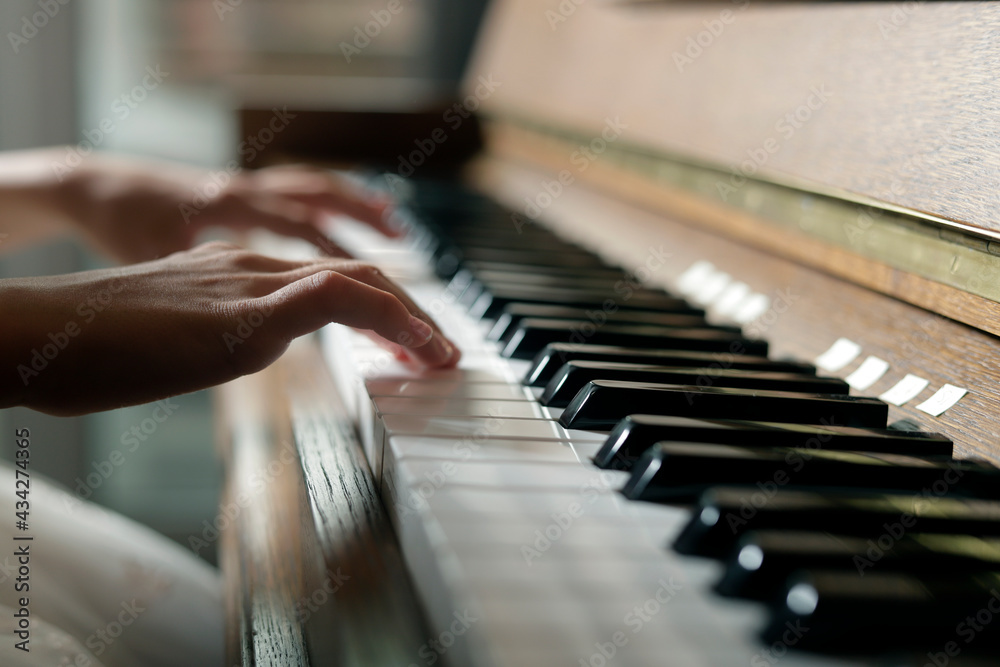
72	191
15	369
39	196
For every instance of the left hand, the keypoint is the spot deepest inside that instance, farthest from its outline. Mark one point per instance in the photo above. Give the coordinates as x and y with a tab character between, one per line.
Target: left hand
136	211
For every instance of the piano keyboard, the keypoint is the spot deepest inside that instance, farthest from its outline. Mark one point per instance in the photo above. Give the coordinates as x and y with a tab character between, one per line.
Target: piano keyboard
738	539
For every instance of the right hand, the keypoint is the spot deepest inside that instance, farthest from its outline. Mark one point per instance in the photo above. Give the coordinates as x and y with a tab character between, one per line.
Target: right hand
171	326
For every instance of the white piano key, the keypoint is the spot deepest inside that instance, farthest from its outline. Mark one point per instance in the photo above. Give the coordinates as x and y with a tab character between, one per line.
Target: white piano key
695	275
943	398
510	476
841	353
487	427
501	513
501	410
483	391
711	288
492	450
591	576
541	504
868	373
451	375
755	306
620	536
731	299
905	390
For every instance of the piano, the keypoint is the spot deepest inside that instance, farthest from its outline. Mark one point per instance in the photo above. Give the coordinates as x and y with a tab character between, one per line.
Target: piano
724	277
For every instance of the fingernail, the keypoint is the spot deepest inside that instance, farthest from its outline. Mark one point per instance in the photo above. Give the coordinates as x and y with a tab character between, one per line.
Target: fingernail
394	221
421	330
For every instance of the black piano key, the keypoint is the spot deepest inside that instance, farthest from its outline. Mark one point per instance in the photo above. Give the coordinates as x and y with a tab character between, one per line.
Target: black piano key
491	304
508	239
602	272
449	260
764	560
636	433
574	375
681	471
532	279
441	246
723	515
593	289
548	362
842	612
513	313
602	403
532	335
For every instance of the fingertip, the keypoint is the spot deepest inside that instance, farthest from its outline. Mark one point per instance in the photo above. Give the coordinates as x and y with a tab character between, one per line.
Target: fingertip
439	353
389	222
422	332
454	357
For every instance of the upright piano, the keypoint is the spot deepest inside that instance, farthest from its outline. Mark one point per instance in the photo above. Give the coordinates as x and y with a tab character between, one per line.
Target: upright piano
726	279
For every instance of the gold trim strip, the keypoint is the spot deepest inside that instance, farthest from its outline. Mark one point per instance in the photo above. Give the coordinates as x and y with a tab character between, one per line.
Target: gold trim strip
945	251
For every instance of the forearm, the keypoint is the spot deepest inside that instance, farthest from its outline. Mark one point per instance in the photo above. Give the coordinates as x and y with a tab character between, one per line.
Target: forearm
34	199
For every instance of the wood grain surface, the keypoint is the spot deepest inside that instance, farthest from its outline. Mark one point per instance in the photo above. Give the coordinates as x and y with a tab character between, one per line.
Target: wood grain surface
312	571
904	96
516	144
810	310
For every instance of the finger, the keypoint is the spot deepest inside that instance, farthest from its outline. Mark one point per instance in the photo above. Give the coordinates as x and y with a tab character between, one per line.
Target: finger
376	213
245	260
397	351
322	189
371	275
366	273
328	296
286	218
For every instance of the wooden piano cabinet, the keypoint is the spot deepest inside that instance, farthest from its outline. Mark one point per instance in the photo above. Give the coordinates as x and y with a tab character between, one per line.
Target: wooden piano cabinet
313	575
906	130
810	308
